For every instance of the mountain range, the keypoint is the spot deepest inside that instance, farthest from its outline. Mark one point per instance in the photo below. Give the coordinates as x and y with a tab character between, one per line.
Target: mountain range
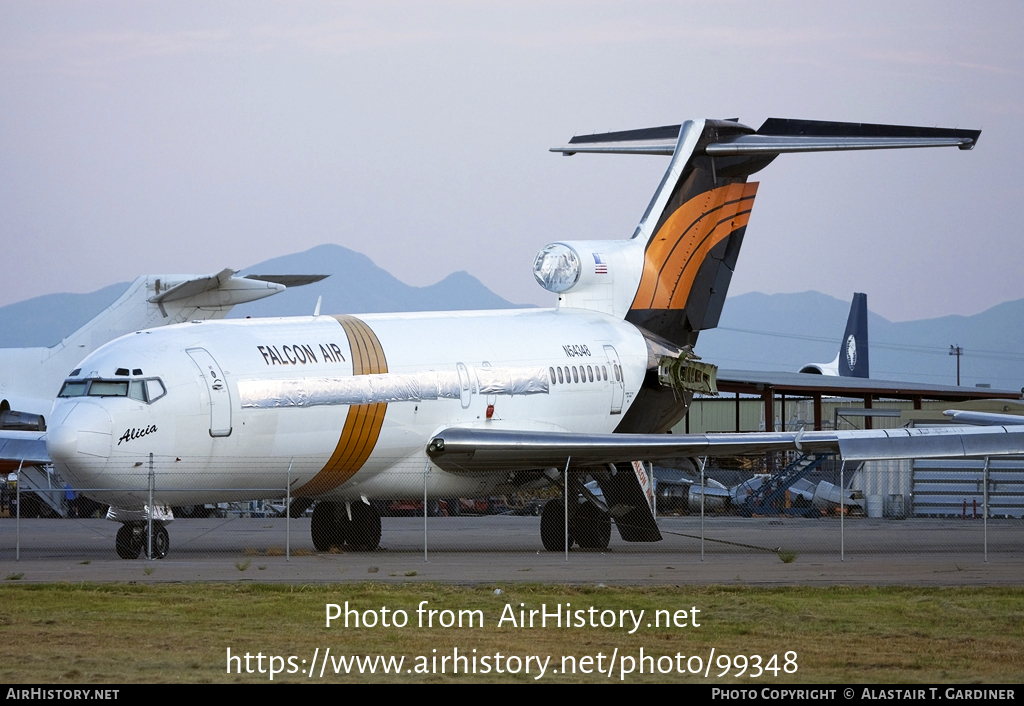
756	331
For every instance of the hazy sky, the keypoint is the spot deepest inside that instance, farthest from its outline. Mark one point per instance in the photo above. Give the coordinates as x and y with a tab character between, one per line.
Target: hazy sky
146	137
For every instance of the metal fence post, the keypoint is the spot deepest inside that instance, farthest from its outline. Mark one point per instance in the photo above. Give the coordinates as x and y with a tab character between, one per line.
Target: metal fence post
842	512
288	513
566	493
17	518
985	509
149	519
426	469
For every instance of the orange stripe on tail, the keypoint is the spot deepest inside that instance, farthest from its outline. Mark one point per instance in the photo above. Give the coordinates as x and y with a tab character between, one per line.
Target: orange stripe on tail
677	250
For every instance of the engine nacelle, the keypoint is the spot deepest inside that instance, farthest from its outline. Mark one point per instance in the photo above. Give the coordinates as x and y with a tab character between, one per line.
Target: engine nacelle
13	420
600	275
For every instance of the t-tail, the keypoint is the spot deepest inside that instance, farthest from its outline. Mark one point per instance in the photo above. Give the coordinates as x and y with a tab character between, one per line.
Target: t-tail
672	276
852	358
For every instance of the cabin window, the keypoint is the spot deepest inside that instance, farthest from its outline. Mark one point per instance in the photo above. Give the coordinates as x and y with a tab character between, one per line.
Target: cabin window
575	375
551	372
590	373
559	375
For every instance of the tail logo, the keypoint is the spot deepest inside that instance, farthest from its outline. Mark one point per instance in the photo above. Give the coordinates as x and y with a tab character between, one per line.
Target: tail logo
851	351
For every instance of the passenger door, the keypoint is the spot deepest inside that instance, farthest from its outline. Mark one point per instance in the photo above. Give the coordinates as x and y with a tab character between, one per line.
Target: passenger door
217	386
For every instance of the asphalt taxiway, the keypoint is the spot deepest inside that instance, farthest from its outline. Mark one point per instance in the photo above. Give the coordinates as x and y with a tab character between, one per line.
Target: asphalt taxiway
503	549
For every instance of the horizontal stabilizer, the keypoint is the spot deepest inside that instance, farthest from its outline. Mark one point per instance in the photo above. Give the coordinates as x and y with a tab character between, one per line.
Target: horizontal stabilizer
777	136
289	280
224	289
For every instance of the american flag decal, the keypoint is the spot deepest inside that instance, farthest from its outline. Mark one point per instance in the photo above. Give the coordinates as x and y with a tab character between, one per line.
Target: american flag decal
600	266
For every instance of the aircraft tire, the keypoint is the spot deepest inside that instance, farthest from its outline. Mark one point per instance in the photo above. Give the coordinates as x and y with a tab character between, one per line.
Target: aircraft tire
593	527
364	532
552	526
325	525
161	541
127	543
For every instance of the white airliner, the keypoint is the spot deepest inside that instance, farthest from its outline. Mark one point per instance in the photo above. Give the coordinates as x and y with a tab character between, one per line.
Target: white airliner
349	408
31	377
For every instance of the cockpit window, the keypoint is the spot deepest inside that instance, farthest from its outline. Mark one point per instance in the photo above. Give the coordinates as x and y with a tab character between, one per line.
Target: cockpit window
147	390
155	390
137	390
74	388
108	388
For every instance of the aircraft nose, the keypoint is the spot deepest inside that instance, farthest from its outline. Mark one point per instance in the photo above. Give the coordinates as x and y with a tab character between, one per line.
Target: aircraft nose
81	442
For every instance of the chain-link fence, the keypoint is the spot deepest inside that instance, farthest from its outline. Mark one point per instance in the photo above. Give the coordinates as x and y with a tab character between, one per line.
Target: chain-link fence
790	507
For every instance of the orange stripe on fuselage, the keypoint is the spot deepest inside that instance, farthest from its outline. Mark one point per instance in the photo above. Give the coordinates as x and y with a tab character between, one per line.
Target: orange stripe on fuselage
680	246
362	426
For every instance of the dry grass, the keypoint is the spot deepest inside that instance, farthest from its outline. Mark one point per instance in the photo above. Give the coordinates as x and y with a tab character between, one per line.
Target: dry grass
181	632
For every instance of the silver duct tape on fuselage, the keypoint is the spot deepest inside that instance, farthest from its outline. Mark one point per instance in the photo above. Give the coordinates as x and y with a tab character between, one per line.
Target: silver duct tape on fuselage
389	387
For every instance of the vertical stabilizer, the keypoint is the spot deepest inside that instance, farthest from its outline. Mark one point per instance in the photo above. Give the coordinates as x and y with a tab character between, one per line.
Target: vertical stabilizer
852	358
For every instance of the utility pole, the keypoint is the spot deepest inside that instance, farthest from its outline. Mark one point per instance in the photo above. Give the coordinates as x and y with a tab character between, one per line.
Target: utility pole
957	351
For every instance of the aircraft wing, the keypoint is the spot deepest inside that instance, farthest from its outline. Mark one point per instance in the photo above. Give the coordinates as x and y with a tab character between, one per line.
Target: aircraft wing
471	449
752	381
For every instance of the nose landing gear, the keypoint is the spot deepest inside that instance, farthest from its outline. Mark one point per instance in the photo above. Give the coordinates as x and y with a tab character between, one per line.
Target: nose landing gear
132	539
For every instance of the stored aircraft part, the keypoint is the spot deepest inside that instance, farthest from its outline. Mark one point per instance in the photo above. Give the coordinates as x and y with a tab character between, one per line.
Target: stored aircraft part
388	387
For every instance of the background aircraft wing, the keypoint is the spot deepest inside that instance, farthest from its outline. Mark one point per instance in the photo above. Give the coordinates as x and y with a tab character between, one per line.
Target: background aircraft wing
27	446
471	449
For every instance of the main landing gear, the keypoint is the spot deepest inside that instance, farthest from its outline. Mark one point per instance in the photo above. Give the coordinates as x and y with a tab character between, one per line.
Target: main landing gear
133	539
355	525
589	526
